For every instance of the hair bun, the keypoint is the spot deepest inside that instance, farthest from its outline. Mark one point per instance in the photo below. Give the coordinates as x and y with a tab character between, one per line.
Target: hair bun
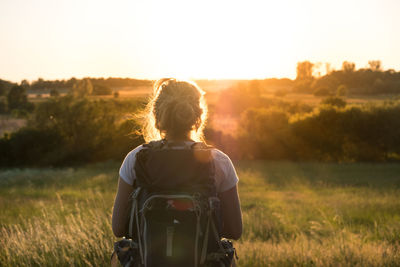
184	114
178	108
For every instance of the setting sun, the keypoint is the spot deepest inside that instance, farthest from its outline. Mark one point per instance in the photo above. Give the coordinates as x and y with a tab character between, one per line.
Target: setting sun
191	39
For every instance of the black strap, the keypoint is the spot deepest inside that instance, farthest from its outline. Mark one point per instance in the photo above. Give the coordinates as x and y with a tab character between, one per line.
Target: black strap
155	144
164	144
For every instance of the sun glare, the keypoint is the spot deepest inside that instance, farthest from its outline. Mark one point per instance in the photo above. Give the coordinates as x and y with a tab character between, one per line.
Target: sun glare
191	39
225	41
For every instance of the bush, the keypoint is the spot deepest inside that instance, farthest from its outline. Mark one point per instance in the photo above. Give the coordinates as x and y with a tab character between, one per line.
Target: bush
2	90
264	134
30	146
368	133
19	113
303	86
351	134
3	106
67	130
334	101
17	98
341	90
280	93
54	93
322	91
101	90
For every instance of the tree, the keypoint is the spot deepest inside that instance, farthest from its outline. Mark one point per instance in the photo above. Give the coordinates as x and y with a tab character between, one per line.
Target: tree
82	88
5	86
341	90
375	65
70	83
17	98
348	66
328	68
38	85
54	93
304	70
2	89
304	78
25	84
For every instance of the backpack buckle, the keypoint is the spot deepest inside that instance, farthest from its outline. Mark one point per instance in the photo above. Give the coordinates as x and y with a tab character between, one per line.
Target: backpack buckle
135	193
213	202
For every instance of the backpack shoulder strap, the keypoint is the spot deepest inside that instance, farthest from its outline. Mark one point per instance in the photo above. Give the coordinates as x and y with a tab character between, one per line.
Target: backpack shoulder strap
200	145
155	144
163	143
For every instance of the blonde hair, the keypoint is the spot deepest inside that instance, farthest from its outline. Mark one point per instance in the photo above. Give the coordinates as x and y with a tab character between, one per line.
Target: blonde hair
176	107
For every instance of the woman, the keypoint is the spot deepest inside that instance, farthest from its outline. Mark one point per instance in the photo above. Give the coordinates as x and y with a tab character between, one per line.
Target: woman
177	112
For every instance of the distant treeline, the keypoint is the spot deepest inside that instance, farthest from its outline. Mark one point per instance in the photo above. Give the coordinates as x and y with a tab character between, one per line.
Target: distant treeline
372	80
16	95
47	85
41	84
365	81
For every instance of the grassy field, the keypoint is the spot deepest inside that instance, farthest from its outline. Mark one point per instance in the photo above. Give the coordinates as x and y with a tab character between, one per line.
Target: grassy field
295	214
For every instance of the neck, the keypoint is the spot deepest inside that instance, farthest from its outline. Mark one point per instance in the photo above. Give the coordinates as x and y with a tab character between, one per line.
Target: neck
184	137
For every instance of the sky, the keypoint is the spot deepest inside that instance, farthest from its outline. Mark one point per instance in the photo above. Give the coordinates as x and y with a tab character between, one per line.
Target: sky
217	39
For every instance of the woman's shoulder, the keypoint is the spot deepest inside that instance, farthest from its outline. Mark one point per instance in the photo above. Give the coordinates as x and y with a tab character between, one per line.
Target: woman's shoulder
220	156
225	173
131	156
217	154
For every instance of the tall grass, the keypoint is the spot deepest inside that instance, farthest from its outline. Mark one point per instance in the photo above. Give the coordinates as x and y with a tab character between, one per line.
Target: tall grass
294	215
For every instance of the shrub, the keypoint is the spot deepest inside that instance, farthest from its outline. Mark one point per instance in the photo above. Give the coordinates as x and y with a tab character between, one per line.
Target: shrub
322	91
101	90
264	134
367	133
30	146
280	93
3	105
334	101
341	90
54	93
303	86
67	130
17	98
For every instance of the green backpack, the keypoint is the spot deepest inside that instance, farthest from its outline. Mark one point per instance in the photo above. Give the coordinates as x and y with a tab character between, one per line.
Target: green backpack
175	217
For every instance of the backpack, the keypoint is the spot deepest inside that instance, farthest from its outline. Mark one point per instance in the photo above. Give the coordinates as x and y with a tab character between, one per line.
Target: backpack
175	217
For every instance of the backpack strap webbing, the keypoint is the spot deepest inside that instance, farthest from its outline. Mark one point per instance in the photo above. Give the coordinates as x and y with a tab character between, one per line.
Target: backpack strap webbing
155	144
163	144
135	216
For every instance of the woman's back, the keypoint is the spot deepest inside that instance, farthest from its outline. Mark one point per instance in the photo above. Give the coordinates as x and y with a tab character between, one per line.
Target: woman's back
176	115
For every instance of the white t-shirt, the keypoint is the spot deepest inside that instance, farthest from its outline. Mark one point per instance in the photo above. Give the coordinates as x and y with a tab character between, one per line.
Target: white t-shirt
225	174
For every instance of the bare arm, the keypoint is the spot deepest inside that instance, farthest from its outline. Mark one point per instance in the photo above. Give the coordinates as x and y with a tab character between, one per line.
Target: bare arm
231	214
121	209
